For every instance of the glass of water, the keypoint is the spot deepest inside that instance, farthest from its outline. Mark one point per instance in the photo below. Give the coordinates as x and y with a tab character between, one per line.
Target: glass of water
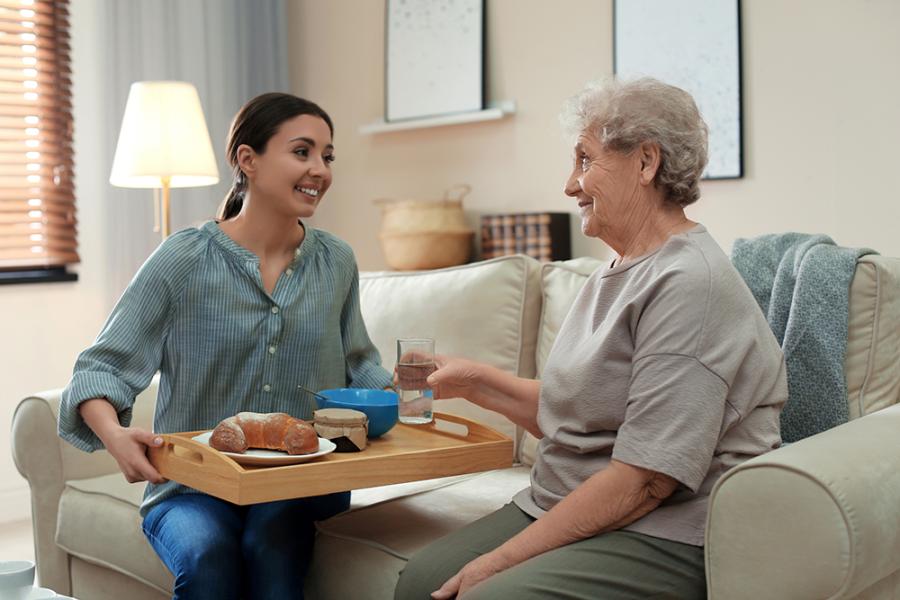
415	362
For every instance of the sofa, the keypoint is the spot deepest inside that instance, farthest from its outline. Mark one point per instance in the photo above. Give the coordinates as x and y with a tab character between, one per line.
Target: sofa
815	519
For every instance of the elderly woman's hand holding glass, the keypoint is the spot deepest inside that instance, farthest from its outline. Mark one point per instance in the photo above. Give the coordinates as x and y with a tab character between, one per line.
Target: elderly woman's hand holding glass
664	375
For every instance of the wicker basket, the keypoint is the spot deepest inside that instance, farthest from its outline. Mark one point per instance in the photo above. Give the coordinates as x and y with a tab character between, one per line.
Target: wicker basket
425	234
419	250
404	216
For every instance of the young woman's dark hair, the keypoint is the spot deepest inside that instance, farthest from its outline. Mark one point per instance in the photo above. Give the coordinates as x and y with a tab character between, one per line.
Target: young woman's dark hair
254	125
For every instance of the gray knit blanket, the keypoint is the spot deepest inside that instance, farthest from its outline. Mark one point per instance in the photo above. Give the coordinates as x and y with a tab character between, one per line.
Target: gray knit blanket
802	284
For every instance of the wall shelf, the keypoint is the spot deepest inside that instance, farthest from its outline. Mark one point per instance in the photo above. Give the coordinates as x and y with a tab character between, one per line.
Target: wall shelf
495	111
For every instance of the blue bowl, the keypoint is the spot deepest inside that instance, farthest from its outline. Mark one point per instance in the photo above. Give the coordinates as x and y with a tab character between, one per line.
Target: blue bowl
381	406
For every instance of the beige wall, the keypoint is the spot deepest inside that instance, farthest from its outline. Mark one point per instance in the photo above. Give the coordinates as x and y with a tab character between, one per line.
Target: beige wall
45	326
821	118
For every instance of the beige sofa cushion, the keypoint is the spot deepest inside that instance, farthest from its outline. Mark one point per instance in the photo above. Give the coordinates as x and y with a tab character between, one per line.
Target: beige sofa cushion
372	544
99	523
87	504
486	311
560	283
95	582
873	352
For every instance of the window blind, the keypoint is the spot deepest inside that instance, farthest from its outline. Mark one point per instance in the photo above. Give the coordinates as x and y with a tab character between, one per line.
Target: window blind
37	200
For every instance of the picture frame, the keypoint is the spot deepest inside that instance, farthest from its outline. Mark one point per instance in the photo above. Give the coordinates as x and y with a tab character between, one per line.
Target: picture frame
434	58
695	45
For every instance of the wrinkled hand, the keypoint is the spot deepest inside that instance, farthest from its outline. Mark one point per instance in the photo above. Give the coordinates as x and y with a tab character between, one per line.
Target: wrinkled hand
128	445
469	576
454	378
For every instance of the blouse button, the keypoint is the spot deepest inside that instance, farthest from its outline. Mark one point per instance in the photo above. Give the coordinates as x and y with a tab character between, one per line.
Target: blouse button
271	349
289	272
274	310
267	388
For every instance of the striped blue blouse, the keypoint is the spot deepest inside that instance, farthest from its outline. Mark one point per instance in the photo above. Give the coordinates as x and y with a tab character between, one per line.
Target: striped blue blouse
197	312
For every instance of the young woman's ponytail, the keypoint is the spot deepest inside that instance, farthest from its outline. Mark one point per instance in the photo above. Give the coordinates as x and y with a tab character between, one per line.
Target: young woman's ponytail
234	199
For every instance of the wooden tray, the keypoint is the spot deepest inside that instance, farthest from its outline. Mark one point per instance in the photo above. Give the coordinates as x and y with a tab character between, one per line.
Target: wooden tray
451	445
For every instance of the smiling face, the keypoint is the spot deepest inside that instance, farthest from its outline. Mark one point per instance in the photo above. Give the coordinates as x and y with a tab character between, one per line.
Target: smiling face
606	185
293	172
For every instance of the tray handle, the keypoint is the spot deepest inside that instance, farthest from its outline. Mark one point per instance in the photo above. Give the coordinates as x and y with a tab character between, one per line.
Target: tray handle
473	428
178	455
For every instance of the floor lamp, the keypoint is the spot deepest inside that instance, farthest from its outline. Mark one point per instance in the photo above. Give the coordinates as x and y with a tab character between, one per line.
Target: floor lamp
163	143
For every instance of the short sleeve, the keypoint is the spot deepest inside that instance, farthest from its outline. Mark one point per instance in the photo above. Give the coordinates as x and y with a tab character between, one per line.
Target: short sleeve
675	406
673	417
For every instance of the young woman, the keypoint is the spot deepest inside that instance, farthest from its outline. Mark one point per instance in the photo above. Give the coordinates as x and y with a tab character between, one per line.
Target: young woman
234	315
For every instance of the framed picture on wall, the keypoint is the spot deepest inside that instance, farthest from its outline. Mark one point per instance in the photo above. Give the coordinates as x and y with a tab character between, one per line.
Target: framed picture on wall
434	58
695	45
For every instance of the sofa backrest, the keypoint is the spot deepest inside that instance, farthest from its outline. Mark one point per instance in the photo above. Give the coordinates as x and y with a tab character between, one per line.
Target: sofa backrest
560	283
486	311
871	363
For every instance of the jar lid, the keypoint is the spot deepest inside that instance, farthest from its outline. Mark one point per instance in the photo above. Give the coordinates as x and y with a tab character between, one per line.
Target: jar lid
340	416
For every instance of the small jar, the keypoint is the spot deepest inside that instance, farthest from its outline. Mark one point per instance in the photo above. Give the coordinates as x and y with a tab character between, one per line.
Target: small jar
347	428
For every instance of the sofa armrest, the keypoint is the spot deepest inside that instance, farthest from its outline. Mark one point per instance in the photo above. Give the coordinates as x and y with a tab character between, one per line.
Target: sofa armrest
37	453
47	462
814	519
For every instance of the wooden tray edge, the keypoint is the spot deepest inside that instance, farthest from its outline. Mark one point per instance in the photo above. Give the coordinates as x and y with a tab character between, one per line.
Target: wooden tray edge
180	459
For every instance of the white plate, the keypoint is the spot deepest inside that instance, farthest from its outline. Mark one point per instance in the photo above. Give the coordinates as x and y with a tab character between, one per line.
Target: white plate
270	458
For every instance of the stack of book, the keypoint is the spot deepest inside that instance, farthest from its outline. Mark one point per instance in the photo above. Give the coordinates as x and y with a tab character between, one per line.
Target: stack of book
544	236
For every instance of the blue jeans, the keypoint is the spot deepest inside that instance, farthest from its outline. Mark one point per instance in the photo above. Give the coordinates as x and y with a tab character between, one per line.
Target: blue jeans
219	550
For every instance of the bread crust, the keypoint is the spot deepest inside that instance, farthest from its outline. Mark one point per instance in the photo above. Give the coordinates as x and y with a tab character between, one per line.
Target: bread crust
268	431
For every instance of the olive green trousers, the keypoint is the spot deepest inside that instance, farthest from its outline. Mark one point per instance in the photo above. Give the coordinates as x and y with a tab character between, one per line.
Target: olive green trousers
616	566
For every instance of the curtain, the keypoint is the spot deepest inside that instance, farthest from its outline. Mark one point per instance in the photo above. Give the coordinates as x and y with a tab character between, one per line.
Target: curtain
231	50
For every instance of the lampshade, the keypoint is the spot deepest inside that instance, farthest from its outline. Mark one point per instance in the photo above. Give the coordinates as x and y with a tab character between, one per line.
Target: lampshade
163	135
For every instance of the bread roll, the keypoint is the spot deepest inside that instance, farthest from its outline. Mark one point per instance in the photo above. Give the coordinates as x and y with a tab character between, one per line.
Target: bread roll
269	431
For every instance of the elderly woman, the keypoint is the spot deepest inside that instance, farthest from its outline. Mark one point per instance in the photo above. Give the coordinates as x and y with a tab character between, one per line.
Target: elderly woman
663	376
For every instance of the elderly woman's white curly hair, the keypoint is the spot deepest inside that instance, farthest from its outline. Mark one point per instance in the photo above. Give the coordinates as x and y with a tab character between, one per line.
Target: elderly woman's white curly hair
623	115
